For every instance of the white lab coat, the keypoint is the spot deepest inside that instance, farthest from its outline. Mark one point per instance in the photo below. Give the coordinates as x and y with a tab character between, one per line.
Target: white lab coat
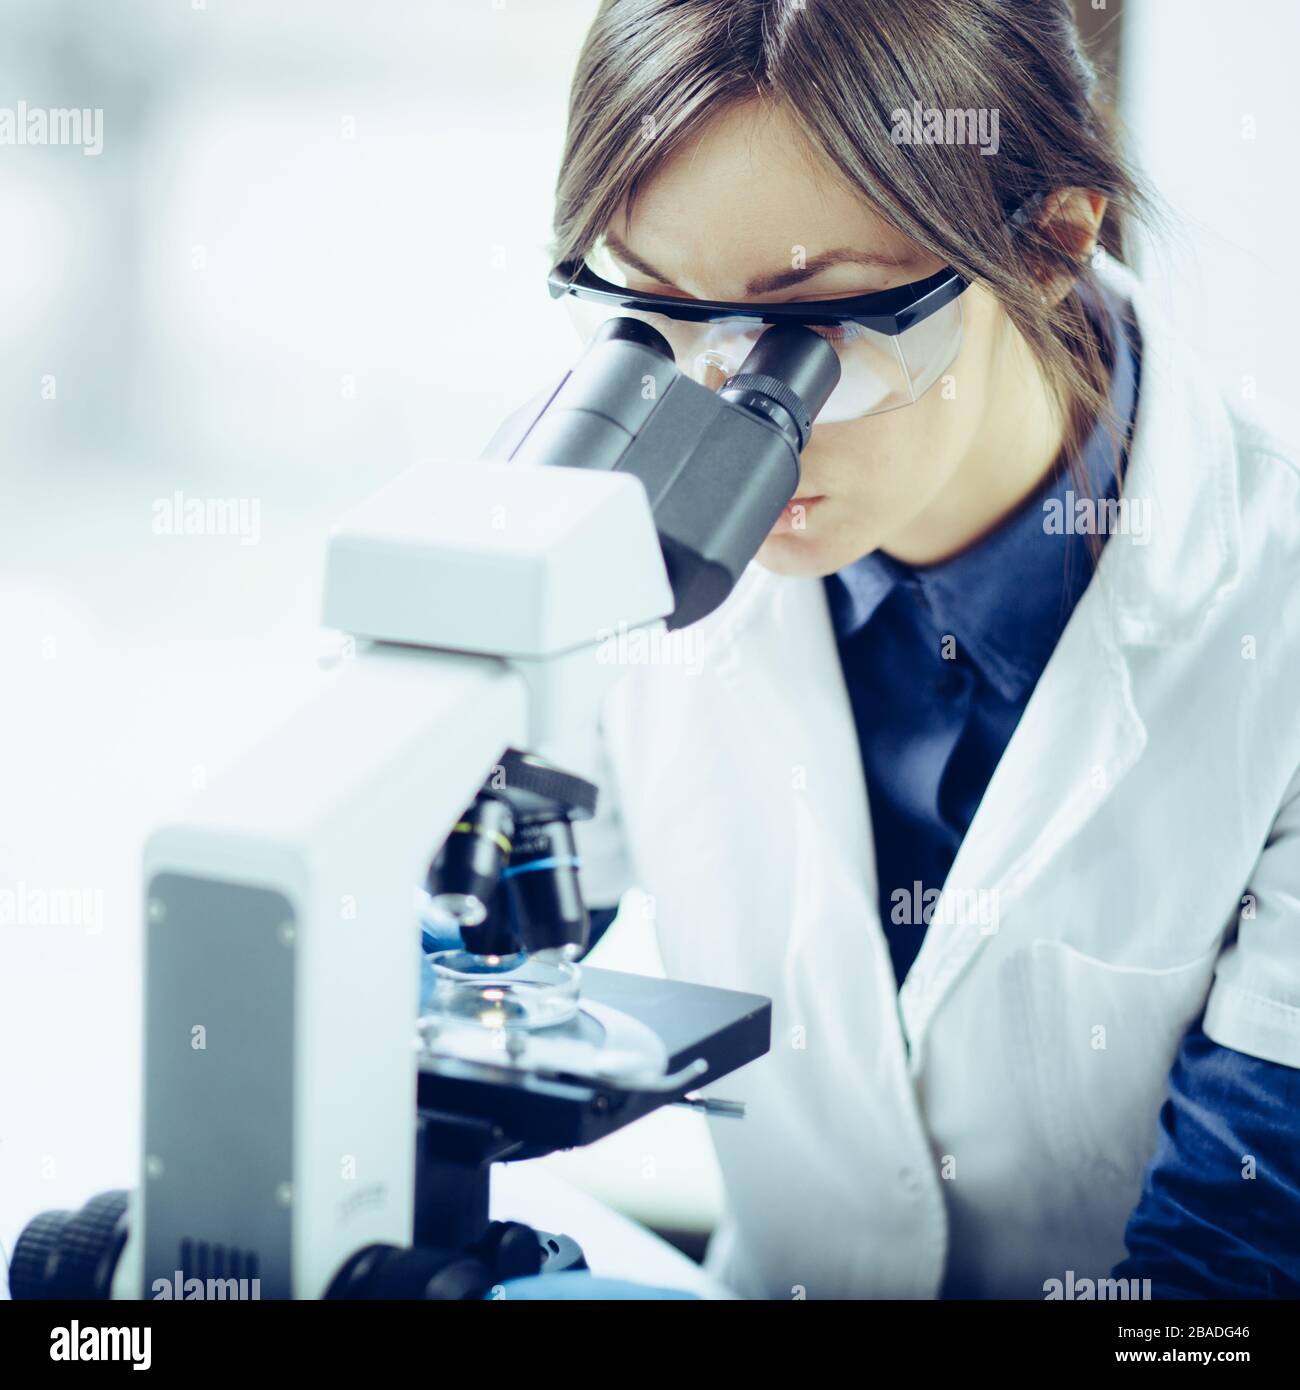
985	1129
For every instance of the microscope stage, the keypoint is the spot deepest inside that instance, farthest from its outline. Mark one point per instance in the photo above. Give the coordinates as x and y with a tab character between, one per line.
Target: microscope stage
637	1043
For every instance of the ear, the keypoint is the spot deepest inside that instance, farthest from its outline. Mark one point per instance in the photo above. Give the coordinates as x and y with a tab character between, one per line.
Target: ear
1071	220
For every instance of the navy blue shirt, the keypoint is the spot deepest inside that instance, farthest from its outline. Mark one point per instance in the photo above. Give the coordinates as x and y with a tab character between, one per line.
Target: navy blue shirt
940	662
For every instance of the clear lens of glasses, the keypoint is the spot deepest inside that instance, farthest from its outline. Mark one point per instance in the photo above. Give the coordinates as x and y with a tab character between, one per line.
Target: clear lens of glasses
878	371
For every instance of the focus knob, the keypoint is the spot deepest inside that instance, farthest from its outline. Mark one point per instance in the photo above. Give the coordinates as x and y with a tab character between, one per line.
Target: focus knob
72	1255
32	1266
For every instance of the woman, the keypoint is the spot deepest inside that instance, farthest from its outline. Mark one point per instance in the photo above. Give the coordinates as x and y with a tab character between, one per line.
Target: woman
986	774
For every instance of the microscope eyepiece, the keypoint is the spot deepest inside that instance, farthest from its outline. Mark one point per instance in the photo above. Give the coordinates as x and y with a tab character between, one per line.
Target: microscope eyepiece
630	330
787	377
718	466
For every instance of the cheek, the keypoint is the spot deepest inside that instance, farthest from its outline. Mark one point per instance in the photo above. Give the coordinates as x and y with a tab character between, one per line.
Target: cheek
875	474
902	458
910	453
885	461
880	473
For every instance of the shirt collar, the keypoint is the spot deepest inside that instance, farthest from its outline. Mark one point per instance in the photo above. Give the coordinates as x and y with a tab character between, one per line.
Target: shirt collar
1006	599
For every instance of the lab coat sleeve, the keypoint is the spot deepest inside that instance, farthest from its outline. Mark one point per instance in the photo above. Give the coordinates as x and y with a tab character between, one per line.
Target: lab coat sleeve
1254	1003
1221	1197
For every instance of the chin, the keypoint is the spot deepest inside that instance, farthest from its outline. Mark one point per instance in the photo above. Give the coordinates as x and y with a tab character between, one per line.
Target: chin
796	555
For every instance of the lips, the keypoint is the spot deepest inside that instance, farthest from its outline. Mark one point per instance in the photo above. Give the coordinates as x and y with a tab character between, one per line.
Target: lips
800	508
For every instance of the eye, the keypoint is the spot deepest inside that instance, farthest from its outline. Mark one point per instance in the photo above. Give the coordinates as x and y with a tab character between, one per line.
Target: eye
837	332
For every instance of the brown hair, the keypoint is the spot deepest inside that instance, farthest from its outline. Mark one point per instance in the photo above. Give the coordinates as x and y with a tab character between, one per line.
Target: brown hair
653	72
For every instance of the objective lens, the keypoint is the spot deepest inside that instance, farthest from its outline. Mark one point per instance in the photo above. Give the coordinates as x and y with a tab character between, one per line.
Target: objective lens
456	909
541	884
463	877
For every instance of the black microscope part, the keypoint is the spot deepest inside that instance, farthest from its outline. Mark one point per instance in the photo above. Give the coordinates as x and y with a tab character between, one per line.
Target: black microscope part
718	467
542	889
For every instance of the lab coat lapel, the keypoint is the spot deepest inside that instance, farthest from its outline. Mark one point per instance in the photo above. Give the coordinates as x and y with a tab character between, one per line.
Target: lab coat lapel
1079	736
774	651
830	974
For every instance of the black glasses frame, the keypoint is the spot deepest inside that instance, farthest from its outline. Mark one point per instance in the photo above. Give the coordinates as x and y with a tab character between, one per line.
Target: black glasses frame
884	311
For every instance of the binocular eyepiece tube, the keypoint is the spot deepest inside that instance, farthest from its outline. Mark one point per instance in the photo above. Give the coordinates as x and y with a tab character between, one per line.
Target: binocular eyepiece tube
718	466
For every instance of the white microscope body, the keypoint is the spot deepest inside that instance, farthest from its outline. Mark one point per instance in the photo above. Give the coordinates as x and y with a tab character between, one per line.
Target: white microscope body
281	950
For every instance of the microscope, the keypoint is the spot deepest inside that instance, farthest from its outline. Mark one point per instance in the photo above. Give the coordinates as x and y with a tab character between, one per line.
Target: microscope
323	1099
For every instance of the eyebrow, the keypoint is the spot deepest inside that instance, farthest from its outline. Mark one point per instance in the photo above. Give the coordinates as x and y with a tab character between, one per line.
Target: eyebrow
777	280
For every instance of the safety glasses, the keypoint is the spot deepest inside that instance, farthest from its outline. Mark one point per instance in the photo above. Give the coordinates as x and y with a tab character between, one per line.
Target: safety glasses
893	345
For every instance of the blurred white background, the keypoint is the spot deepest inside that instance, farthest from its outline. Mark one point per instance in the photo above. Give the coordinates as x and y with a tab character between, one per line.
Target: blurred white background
312	253
1208	96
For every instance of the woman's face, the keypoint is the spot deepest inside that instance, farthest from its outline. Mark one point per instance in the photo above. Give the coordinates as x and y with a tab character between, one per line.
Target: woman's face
727	212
